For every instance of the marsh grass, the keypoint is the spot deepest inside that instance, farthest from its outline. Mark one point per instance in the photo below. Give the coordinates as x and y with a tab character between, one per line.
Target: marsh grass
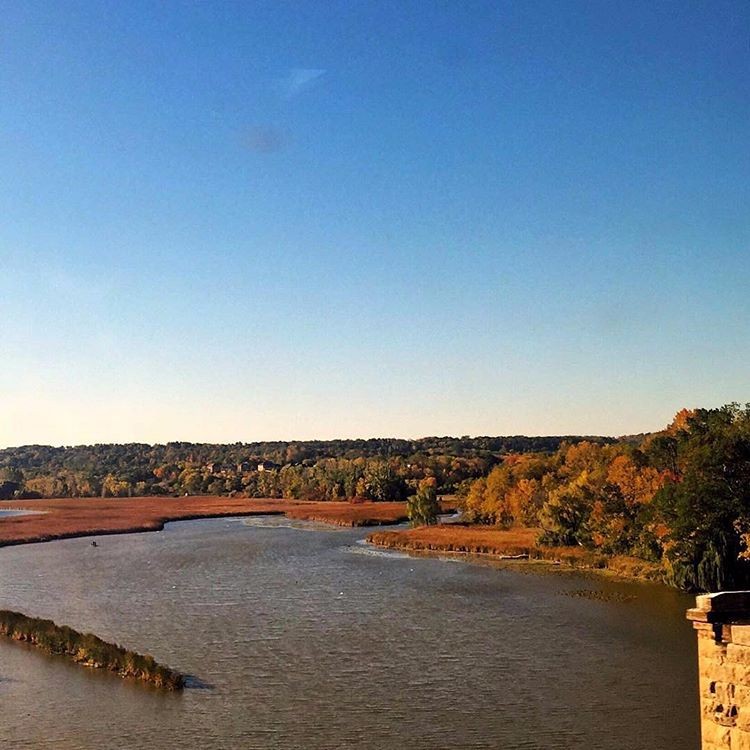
509	544
87	649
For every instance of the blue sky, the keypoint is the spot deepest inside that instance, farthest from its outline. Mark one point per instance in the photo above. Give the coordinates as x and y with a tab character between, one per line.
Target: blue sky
232	221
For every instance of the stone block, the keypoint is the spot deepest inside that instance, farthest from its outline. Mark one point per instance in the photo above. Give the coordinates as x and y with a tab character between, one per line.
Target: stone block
738	654
740	739
716	734
729	673
743	720
709	647
714	667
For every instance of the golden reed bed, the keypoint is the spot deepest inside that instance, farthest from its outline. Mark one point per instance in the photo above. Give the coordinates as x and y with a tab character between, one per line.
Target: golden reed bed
490	541
64	518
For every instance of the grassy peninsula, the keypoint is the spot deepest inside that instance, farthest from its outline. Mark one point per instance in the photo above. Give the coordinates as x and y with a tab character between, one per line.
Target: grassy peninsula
510	544
87	649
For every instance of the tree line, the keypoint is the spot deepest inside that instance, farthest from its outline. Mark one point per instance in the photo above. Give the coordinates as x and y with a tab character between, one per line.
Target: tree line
376	469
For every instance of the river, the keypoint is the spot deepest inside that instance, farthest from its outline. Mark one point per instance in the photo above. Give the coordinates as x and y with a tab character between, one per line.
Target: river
303	639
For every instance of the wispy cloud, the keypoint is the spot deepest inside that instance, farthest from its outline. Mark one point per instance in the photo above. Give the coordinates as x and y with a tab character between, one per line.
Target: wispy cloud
264	139
299	80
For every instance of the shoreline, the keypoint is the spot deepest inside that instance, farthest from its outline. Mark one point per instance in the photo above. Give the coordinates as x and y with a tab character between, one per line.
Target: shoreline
515	547
74	518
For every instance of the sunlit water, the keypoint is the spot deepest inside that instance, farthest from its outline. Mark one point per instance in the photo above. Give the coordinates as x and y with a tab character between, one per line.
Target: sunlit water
308	643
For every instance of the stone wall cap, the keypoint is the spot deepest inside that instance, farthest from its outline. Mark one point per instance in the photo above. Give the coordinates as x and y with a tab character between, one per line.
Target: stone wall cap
722	606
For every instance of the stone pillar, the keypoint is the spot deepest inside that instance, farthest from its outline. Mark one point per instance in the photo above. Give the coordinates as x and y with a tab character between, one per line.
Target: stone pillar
723	624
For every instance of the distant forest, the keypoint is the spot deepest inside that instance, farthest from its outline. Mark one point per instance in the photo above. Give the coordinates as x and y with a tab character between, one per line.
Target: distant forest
375	469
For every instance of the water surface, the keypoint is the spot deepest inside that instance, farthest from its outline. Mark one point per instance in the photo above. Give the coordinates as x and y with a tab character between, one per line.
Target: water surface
308	643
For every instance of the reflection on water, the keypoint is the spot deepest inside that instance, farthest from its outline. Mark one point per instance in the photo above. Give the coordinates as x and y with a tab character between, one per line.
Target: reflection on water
307	645
282	522
361	547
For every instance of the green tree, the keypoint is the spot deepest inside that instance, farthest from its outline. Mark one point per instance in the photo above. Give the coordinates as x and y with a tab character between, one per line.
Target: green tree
423	508
564	517
382	484
706	507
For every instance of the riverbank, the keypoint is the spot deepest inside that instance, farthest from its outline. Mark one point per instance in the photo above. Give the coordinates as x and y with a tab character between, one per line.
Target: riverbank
87	649
65	518
512	544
